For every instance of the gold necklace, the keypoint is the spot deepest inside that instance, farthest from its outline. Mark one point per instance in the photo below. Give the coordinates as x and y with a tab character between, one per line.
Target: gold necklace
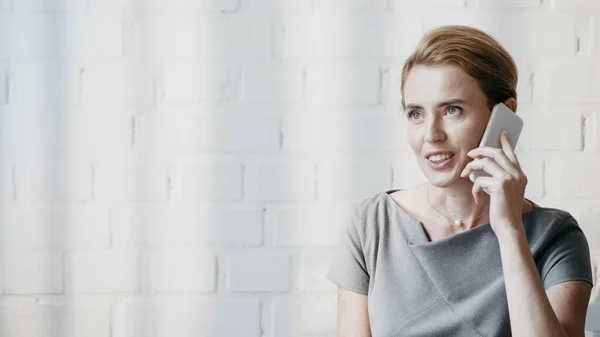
457	222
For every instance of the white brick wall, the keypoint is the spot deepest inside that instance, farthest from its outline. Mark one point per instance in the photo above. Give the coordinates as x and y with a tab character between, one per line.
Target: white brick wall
189	317
170	167
49	320
258	272
181	271
106	272
38	272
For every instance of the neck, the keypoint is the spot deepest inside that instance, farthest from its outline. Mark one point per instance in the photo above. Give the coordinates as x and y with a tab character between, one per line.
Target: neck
457	203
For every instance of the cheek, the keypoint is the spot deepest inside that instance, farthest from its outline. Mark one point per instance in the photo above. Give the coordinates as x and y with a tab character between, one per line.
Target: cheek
467	136
414	141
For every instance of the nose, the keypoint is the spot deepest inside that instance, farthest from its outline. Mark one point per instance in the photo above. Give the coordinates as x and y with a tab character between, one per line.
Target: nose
434	132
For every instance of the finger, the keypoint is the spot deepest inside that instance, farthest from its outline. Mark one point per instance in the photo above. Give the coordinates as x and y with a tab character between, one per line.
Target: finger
486	164
507	148
476	190
498	156
486	183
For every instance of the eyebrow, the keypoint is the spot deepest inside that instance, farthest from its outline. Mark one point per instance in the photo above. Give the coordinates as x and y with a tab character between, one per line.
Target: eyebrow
439	105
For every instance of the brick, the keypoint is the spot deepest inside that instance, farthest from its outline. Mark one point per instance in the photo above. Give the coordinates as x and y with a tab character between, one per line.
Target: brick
591	326
165	6
188	318
596	269
258	272
534	170
575	4
145	180
55	227
225	133
73	133
428	4
595	277
47	320
585	35
274	83
190	224
353	181
79	35
273	181
120	84
525	83
303	318
51	5
51	83
191	82
112	5
182	272
325	35
25	273
108	272
212	181
7	191
573	178
200	36
349	5
594	126
528	37
594	34
343	85
391	93
118	124
316	267
4	85
509	3
406	172
568	82
590	224
306	226
276	4
562	130
54	180
348	132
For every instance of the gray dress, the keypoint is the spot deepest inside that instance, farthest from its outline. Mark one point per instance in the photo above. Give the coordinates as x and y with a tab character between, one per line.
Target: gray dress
449	287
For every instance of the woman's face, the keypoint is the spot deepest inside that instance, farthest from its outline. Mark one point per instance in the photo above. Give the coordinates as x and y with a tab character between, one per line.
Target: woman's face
446	113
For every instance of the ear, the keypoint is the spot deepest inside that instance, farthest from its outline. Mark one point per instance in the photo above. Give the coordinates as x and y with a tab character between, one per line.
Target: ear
511	103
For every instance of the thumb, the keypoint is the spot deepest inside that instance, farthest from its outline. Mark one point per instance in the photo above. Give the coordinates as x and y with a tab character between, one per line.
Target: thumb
476	191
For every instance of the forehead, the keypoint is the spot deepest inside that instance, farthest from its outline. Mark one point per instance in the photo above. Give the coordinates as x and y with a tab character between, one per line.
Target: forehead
438	83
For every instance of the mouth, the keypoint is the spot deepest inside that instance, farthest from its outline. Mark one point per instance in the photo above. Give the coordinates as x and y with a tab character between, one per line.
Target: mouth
440	158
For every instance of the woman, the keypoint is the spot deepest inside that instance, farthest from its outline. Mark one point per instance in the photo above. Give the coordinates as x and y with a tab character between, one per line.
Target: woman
446	258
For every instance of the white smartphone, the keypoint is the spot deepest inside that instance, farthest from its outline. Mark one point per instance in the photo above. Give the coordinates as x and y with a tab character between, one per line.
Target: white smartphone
501	118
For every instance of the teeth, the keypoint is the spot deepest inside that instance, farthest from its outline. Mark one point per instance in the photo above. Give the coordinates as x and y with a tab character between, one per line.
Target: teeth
440	157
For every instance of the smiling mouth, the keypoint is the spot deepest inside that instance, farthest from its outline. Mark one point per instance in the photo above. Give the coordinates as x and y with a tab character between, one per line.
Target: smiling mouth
440	158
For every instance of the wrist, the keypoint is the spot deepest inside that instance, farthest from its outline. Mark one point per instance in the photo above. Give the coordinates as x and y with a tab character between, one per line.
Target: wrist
511	233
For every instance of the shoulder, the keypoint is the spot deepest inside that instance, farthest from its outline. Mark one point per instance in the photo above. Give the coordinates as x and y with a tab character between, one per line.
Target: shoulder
561	250
545	224
366	213
378	216
383	202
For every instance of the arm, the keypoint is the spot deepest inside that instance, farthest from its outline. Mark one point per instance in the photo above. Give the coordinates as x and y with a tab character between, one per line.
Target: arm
559	311
353	315
532	310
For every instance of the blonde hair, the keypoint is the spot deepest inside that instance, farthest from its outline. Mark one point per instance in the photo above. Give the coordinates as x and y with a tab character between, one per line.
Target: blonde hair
477	53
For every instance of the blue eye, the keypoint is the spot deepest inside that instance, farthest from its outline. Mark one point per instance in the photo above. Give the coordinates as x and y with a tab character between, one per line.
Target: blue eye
411	114
452	109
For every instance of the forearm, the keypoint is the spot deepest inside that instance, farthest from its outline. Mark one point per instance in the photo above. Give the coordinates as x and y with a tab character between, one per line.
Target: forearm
530	311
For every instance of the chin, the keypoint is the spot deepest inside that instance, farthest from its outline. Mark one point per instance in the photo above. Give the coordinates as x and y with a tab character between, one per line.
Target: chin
441	183
442	179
